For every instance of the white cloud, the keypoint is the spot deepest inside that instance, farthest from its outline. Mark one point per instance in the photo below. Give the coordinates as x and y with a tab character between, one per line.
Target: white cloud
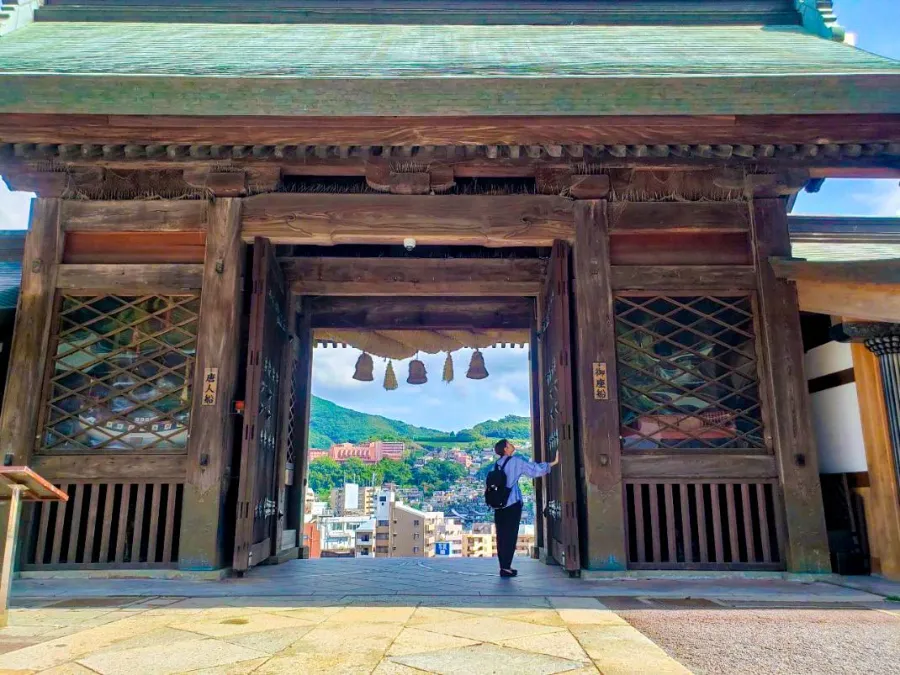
880	198
15	208
504	394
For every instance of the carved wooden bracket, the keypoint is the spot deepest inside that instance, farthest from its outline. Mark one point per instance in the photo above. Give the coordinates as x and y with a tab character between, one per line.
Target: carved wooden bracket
417	180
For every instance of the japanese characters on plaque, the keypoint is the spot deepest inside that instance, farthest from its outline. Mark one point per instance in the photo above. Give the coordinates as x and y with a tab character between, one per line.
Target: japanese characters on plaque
601	391
210	385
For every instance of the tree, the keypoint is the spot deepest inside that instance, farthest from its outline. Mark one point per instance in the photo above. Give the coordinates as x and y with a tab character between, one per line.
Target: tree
324	474
354	470
393	471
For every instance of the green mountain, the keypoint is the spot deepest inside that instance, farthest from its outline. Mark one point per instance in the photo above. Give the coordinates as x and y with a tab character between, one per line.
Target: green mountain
331	423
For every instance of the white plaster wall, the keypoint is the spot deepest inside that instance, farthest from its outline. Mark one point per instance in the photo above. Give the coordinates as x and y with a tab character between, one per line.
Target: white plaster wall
829	358
835	412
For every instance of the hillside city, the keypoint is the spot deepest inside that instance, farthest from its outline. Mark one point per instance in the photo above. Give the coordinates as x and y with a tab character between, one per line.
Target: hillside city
382	488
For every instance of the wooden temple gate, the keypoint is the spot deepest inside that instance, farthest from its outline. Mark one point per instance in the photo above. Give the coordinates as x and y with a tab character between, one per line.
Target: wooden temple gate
197	221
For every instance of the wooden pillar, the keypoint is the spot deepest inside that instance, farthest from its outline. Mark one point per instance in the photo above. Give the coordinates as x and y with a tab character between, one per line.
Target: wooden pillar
540	529
883	502
28	352
789	424
598	407
302	399
212	426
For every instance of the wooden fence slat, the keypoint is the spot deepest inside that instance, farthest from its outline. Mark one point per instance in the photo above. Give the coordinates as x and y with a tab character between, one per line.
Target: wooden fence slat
122	534
748	523
169	533
655	538
686	529
701	522
154	523
58	533
138	534
639	522
42	532
107	523
670	523
780	537
732	523
717	522
764	522
91	527
72	554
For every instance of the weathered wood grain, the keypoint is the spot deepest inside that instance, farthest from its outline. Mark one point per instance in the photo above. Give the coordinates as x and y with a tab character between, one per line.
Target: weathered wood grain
867	302
328	219
134	247
673	277
448	129
133	215
598	423
212	426
130	279
424	276
654	217
400	313
838	272
883	504
680	248
111	467
790	426
698	466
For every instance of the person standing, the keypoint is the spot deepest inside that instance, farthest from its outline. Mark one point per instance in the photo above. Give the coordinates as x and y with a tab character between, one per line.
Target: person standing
506	519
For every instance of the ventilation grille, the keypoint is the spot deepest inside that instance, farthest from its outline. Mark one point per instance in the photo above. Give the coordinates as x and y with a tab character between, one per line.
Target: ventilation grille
703	525
107	525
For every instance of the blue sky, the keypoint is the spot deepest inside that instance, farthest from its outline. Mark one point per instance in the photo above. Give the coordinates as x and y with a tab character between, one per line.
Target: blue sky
465	402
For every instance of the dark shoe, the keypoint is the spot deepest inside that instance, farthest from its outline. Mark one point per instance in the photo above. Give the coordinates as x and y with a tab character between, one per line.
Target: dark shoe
506	574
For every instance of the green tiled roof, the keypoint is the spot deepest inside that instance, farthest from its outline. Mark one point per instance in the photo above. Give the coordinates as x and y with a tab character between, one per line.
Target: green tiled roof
835	252
313	69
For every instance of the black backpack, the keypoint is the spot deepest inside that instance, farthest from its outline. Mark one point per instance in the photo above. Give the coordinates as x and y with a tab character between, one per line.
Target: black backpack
495	491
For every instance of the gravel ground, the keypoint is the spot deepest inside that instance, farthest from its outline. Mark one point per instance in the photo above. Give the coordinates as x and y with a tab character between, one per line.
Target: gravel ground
762	641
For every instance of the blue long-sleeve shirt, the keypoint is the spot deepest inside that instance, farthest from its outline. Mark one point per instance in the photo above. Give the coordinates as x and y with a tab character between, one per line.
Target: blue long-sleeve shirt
515	467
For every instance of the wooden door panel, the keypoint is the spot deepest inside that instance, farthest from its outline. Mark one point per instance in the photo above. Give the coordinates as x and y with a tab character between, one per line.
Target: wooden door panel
555	338
258	508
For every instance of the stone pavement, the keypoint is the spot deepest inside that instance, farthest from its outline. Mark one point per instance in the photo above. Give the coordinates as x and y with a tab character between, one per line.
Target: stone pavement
387	617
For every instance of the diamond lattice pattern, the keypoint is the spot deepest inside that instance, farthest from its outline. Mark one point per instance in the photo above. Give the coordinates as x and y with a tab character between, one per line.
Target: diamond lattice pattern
687	371
122	374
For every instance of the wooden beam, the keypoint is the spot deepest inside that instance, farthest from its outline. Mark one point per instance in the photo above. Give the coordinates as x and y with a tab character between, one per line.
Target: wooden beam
864	302
701	466
415	276
883	504
449	130
598	402
436	314
653	217
874	272
674	277
328	219
784	389
111	467
217	183
133	216
133	279
213	424
22	401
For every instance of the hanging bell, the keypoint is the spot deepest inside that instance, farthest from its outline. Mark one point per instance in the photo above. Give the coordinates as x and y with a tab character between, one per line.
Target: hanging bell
448	369
417	374
477	371
364	368
390	379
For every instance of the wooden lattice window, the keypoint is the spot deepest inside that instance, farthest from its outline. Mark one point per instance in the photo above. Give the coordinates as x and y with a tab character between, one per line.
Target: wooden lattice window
688	375
121	375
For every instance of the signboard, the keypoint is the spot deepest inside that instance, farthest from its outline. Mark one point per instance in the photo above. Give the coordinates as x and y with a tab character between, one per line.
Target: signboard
601	391
442	548
210	386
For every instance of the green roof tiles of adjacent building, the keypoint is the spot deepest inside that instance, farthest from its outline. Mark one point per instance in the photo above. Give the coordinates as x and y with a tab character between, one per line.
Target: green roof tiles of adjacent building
316	69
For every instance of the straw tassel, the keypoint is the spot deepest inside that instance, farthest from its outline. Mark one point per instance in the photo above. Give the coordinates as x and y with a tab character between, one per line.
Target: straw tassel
448	368
390	379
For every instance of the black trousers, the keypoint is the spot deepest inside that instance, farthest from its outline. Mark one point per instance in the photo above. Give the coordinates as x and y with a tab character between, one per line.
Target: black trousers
506	520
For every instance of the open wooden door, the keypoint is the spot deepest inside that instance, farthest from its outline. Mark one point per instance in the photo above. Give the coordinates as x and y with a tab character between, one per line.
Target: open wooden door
258	487
555	340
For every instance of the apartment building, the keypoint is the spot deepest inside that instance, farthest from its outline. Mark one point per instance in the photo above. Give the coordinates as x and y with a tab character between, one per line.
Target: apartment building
353	500
338	533
365	539
370	453
479	545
